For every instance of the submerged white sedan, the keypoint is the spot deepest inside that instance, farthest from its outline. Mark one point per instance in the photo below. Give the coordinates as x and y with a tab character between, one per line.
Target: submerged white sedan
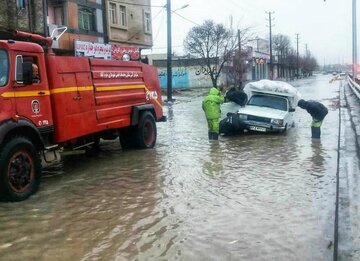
266	112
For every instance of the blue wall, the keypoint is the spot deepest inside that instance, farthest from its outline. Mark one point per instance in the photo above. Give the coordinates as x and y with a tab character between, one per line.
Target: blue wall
180	79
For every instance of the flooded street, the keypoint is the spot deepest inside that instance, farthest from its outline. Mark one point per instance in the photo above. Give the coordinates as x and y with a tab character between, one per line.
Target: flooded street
248	197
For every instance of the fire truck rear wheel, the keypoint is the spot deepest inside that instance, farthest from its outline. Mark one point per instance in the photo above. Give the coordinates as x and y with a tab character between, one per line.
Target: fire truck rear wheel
20	170
146	131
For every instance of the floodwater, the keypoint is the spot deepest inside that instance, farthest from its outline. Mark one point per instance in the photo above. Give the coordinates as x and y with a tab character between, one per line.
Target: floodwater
249	197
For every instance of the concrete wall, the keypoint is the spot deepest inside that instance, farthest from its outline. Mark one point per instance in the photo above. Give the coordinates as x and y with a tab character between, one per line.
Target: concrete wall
188	78
29	19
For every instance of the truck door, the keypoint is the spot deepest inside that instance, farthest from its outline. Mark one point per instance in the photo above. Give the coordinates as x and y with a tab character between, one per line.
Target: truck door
32	99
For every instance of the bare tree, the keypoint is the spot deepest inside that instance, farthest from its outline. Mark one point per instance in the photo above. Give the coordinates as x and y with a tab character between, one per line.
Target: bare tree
308	64
281	42
281	45
211	41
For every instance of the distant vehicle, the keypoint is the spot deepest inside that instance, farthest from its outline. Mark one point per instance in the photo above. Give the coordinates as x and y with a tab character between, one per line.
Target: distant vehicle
342	74
334	73
270	107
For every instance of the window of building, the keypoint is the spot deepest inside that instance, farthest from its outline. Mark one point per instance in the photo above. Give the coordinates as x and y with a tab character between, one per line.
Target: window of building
113	13
147	22
59	15
20	3
86	19
123	20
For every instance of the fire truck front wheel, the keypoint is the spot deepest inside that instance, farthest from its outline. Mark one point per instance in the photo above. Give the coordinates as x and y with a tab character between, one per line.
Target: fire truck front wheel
146	131
20	169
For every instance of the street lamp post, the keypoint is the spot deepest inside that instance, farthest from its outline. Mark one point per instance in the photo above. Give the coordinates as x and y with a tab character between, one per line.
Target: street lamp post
354	38
169	50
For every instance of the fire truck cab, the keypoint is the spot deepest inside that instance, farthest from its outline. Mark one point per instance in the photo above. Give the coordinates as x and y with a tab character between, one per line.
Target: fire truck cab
52	103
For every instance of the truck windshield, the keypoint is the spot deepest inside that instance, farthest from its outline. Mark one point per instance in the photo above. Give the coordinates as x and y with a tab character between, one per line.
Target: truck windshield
4	68
274	102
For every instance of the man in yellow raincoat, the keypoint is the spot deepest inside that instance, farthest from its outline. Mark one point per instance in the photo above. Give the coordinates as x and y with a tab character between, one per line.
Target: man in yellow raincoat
211	107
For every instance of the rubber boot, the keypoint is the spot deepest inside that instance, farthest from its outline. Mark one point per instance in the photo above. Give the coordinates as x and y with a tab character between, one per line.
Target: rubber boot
215	136
210	135
315	132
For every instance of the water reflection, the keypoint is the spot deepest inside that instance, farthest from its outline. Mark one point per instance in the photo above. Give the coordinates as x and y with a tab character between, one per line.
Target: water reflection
317	159
213	163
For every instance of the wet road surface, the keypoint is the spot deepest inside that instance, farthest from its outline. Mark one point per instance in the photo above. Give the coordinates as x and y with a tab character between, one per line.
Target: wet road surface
249	197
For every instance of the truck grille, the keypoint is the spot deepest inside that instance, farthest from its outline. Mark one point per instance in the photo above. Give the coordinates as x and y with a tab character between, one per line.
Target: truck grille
259	119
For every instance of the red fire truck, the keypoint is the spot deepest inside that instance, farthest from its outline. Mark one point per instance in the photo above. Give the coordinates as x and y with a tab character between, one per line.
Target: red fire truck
70	104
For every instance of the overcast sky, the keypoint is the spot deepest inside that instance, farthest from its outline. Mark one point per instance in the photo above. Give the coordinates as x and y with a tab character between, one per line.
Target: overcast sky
326	27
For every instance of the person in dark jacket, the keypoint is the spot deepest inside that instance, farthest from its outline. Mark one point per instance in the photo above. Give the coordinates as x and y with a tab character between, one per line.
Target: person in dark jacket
211	107
318	112
239	97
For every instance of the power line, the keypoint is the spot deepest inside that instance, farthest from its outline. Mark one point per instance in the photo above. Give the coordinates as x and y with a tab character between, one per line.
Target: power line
186	19
127	3
159	27
176	46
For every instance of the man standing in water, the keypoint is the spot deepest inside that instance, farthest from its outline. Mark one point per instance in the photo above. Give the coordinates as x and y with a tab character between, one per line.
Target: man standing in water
318	112
211	107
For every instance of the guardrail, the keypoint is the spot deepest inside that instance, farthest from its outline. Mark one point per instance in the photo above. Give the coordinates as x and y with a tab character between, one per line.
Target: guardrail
354	86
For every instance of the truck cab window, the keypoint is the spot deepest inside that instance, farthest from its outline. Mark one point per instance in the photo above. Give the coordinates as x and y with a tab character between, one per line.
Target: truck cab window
19	71
4	68
32	68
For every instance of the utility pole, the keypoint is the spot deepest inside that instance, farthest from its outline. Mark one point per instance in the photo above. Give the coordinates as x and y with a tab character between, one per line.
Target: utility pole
271	56
297	56
240	62
169	51
354	39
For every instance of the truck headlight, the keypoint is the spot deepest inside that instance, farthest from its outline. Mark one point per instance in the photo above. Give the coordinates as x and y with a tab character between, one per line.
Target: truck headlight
242	116
277	121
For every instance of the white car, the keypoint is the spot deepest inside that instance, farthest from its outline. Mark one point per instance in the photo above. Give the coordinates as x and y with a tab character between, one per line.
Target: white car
271	106
267	113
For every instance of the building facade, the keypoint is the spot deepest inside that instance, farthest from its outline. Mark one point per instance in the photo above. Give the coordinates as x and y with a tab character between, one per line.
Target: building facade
24	15
84	21
129	22
116	22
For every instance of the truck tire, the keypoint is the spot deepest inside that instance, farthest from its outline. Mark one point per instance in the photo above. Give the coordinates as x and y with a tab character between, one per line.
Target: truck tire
146	131
20	169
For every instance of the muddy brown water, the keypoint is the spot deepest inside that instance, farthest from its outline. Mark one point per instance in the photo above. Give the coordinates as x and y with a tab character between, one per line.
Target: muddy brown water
249	197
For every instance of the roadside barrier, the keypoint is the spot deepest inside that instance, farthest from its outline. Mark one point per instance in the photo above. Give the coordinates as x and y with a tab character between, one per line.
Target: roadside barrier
354	86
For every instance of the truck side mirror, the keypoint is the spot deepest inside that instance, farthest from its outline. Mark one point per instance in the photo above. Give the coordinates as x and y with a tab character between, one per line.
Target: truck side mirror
27	73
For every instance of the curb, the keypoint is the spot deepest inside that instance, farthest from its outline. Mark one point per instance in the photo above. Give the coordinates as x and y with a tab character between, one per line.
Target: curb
352	102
